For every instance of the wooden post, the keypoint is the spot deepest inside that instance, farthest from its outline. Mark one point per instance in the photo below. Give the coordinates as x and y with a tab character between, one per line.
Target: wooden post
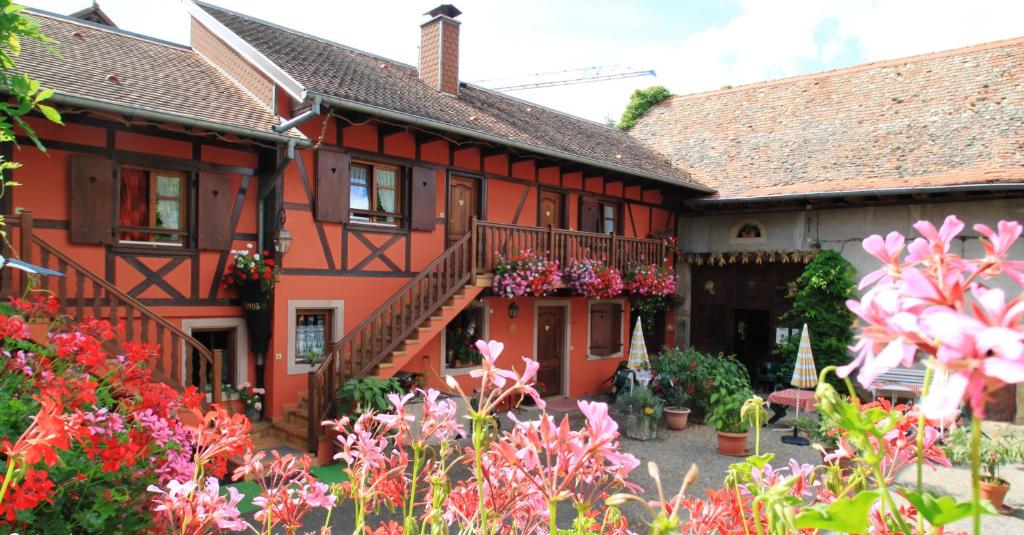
25	246
614	253
472	246
551	242
218	358
312	414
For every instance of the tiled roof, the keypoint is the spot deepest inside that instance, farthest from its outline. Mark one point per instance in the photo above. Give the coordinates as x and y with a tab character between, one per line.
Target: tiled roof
328	68
108	66
948	118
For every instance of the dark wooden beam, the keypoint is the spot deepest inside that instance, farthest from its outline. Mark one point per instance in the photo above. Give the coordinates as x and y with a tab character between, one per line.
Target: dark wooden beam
390	130
490	151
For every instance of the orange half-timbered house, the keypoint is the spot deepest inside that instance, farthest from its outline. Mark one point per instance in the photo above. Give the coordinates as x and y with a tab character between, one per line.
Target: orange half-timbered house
398	186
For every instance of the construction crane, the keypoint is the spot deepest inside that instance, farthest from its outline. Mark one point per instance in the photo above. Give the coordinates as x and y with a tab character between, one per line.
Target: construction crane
586	75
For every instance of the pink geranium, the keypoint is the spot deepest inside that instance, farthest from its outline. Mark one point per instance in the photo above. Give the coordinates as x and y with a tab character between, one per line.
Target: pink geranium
933	302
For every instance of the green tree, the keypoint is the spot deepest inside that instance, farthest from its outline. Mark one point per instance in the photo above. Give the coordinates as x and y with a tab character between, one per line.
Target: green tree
820	301
24	94
639	102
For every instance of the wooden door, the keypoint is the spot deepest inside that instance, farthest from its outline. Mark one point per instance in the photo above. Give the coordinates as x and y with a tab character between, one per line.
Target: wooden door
550	213
463	206
550	349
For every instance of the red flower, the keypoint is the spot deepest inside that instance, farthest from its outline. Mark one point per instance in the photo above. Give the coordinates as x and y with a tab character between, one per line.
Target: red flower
43	438
27	493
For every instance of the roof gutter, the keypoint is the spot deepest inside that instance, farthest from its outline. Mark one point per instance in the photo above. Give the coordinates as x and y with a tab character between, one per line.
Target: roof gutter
446	127
184	120
1009	186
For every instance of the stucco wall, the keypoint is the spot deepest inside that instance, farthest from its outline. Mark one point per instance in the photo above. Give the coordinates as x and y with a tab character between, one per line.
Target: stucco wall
843	229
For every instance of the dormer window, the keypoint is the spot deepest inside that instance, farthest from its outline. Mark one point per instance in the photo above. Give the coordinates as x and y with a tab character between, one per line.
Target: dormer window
748	232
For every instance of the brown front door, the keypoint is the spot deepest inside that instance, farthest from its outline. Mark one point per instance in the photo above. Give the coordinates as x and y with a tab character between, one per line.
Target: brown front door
463	206
550	209
550	349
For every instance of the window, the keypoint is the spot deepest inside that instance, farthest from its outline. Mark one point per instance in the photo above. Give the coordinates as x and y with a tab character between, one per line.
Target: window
152	206
213	339
598	216
312	334
605	328
608	218
748	232
461	334
374	193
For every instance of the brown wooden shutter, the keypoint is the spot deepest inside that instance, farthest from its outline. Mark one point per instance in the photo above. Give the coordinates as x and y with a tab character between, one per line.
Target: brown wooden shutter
332	183
600	337
92	197
215	207
423	197
615	328
590	215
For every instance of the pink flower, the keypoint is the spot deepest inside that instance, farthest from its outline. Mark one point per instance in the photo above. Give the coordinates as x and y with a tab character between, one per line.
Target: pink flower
888	251
997	247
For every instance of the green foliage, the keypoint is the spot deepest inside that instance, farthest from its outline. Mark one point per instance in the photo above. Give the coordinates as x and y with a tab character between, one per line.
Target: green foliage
940	511
997	450
26	93
676	375
726	407
820	302
821	431
639	102
647	307
642	402
368	394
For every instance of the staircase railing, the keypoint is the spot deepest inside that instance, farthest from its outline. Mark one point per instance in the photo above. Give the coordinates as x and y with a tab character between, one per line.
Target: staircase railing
180	358
367	345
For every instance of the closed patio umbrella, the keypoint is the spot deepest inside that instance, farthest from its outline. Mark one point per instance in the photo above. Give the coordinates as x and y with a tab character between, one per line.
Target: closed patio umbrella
805	375
638	359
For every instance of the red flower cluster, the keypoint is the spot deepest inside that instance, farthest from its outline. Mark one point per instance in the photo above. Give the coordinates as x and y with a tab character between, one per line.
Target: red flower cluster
650	279
249	269
92	410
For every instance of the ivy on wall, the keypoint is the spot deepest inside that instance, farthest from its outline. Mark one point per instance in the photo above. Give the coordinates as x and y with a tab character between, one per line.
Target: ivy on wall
639	102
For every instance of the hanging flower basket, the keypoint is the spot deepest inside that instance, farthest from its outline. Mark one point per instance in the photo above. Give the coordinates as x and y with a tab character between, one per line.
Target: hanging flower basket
593	279
254	276
528	274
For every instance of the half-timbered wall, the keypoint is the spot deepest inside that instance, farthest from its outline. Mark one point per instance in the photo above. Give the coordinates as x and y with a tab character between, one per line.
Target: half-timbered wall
362	266
178	283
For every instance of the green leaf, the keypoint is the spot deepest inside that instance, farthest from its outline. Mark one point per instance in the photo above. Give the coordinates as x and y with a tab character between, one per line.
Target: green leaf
846	515
943	510
50	113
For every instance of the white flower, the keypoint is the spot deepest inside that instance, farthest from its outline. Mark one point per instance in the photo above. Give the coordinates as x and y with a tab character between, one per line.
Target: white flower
249	246
258	406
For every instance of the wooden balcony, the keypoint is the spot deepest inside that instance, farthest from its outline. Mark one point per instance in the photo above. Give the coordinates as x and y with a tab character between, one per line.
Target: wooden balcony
491	239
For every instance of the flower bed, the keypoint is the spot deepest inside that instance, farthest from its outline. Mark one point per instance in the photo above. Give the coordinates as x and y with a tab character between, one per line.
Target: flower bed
527	274
593	279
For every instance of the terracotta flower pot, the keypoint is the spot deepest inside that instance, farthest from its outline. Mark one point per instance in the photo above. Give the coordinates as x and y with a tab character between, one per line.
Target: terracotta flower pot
732	444
676	417
995	492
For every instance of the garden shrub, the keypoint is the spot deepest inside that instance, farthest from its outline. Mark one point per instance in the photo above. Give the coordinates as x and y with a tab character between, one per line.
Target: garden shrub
820	302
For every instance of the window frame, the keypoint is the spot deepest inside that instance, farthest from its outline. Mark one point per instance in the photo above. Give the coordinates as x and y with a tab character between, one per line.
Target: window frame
484	334
328	314
621	351
370	217
602	204
186	232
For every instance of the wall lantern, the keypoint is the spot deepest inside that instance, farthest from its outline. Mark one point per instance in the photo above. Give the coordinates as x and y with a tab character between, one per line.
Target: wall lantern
513	311
283	241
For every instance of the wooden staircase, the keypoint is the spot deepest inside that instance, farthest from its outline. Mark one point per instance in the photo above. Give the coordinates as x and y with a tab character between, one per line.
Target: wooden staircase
394	332
83	294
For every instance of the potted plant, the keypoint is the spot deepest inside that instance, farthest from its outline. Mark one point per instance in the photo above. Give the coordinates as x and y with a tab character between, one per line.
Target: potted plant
725	415
642	409
997	450
527	274
676	382
253	275
367	394
252	400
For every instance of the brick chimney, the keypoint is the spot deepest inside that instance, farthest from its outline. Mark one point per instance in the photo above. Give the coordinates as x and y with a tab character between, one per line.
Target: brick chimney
439	49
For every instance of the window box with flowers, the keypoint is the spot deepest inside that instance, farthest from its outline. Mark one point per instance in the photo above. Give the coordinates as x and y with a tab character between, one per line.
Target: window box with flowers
253	276
593	279
649	287
527	274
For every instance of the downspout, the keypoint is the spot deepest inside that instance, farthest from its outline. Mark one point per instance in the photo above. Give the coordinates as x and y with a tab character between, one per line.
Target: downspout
261	202
299	119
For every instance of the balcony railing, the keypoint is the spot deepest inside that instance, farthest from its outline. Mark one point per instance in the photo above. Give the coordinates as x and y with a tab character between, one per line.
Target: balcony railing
491	239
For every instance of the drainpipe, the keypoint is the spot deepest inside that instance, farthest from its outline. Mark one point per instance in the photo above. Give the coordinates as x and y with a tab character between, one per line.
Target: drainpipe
299	119
261	202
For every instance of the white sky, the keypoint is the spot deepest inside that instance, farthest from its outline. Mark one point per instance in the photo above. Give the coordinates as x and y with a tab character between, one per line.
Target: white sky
694	45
